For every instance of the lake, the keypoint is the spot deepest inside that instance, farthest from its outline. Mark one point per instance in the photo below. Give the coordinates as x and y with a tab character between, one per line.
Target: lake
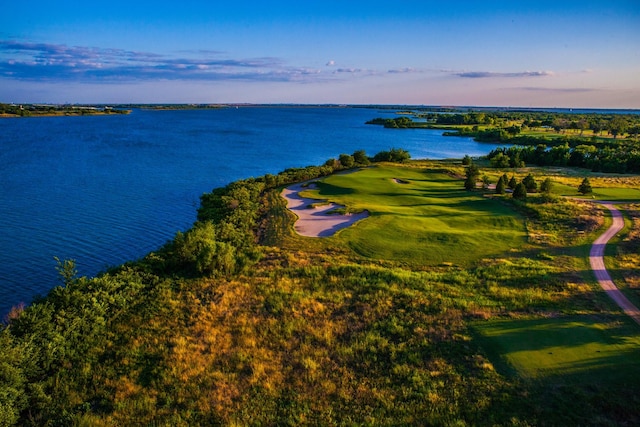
106	189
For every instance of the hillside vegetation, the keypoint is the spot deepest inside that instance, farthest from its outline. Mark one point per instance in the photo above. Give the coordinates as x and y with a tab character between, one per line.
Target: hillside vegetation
446	306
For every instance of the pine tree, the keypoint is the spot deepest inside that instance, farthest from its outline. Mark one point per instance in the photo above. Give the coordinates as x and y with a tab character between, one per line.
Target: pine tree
472	173
500	186
585	187
520	192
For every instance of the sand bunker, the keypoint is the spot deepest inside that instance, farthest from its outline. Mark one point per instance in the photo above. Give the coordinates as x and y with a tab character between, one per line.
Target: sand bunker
316	221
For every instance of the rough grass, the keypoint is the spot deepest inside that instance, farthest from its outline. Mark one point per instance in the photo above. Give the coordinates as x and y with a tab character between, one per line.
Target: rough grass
421	217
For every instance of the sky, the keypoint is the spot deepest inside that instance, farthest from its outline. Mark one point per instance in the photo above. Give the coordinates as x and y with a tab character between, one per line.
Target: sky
570	54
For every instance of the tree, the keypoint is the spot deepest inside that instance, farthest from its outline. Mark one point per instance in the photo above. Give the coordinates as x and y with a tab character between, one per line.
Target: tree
472	173
585	187
513	130
617	126
500	161
530	183
397	155
346	161
67	270
512	183
466	160
360	157
485	181
546	186
520	192
500	186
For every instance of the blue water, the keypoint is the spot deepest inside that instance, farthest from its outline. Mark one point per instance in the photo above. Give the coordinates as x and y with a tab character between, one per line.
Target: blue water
106	189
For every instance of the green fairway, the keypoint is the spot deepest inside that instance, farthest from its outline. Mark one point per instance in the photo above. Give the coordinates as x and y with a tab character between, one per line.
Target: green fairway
421	217
577	348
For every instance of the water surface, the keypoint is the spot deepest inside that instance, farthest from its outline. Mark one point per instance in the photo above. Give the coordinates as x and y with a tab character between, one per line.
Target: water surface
106	189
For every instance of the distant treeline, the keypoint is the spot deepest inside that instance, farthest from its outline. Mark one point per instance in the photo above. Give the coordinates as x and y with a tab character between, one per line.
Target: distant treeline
618	159
34	110
497	126
614	124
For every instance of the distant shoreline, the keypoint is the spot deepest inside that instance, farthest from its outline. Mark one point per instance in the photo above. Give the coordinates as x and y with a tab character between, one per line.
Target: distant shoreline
38	110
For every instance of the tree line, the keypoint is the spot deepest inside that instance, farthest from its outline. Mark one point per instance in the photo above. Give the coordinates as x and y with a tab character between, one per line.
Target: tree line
603	158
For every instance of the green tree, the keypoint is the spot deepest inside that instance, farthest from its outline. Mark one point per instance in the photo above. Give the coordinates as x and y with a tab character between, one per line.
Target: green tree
512	183
546	186
472	173
585	187
500	161
485	181
530	183
466	160
617	126
397	155
500	186
67	270
360	157
199	250
520	192
347	161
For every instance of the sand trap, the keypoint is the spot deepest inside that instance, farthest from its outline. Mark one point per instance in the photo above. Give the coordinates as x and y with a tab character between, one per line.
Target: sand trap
316	221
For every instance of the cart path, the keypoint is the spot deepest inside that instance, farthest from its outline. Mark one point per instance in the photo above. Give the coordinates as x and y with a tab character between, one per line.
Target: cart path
596	258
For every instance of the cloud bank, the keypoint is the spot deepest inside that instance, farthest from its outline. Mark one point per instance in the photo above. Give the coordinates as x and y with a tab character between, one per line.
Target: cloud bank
54	62
490	74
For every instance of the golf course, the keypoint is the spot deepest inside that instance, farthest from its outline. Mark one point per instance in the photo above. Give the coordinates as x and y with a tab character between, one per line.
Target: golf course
390	292
423	217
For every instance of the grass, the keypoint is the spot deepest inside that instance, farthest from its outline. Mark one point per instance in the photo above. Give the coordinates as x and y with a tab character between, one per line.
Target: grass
579	349
421	217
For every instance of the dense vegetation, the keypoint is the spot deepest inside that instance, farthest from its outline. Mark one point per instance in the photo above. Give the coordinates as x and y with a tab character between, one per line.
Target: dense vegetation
600	142
238	321
35	110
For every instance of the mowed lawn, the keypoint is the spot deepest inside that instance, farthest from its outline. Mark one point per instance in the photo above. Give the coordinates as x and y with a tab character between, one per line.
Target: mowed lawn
578	349
421	216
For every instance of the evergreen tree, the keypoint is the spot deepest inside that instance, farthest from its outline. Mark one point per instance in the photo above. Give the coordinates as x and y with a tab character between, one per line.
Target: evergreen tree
472	174
520	192
513	183
546	186
500	186
585	187
530	183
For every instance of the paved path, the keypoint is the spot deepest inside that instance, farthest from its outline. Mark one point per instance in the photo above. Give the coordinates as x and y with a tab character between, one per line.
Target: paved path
596	258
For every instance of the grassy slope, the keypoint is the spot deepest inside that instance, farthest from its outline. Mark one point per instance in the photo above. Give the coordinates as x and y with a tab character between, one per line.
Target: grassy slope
422	218
425	218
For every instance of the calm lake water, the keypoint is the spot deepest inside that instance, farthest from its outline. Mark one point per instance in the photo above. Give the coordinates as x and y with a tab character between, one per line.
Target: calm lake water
106	189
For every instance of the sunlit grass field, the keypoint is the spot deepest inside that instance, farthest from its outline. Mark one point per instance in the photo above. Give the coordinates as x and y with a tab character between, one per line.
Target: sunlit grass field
580	348
421	217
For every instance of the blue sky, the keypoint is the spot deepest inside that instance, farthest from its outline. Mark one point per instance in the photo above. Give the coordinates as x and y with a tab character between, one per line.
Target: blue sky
501	53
